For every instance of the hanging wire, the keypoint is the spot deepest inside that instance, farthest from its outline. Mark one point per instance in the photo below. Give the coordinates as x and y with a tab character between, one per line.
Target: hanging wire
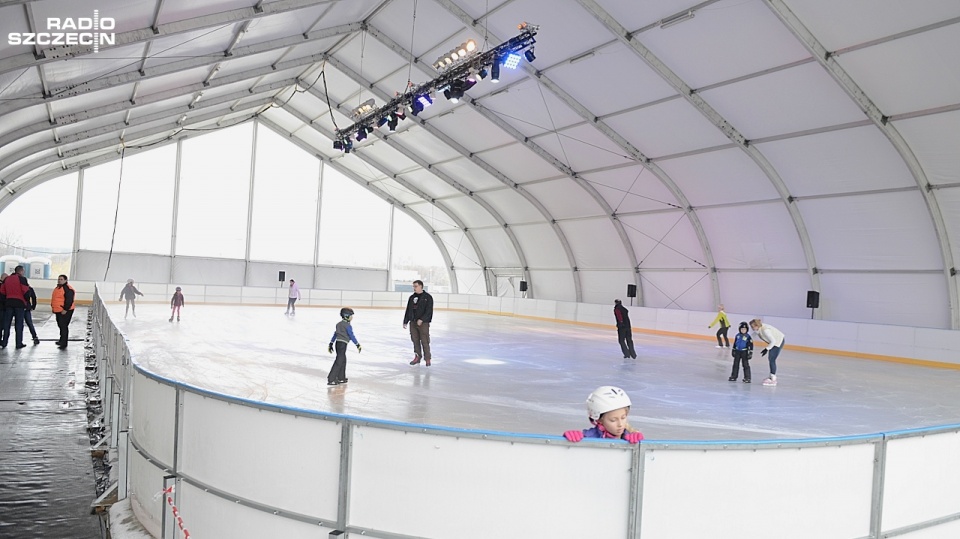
116	213
413	28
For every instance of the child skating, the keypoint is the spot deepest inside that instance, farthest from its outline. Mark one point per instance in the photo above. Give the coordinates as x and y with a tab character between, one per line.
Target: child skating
341	336
130	294
742	352
175	303
607	408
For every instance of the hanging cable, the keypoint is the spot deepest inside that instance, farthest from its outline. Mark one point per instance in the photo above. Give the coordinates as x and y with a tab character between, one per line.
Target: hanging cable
116	213
413	28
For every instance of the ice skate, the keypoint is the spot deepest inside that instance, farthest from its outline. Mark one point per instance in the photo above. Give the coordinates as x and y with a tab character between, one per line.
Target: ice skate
427	362
416	359
772	381
746	380
732	379
171	319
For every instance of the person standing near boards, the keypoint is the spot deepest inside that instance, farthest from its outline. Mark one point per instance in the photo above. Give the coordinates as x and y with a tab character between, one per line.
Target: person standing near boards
724	326
624	330
418	315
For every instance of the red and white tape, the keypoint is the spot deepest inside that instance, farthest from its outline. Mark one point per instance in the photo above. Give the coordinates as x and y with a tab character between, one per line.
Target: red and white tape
176	512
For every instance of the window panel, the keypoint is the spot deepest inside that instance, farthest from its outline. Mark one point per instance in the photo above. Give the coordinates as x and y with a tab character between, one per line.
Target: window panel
214	193
144	213
285	190
40	222
416	256
353	224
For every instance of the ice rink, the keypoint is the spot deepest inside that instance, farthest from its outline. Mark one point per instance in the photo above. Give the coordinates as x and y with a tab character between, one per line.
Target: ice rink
509	374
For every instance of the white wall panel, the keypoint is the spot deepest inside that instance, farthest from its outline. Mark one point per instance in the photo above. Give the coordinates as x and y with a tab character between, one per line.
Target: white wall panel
885	231
844	161
541	246
784	101
350	279
474	500
143	268
146	482
758	236
154	411
220	439
190	270
720	177
602	287
630	189
644	128
555	285
208	515
497	247
776	294
934	140
834	484
677	290
898	299
595	244
917	465
564	199
664	240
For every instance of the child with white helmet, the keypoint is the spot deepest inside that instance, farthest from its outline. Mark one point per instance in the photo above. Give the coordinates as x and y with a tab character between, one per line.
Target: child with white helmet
607	408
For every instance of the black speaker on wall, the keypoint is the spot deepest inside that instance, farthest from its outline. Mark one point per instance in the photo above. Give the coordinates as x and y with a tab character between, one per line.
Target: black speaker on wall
523	286
813	299
631	290
282	276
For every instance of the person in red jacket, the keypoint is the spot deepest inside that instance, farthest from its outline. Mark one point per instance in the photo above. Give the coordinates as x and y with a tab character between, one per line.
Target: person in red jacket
13	290
62	304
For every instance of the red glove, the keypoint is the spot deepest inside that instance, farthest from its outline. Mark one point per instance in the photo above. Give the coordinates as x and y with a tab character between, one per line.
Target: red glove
573	435
633	437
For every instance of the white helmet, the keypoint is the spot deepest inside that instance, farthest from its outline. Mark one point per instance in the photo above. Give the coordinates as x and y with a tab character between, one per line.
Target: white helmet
605	399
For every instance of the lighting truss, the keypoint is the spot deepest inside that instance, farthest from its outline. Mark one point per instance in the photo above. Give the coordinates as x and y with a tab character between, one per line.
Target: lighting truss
452	79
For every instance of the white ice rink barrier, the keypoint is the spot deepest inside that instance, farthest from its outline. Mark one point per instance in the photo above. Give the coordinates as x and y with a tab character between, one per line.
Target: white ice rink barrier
246	469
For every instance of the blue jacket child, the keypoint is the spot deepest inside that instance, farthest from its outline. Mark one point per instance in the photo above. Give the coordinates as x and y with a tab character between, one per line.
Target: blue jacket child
742	351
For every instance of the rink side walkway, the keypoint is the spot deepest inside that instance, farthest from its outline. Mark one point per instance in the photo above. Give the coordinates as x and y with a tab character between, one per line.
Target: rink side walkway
46	475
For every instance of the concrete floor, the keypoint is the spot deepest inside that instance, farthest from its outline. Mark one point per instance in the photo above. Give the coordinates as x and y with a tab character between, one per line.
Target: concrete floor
508	374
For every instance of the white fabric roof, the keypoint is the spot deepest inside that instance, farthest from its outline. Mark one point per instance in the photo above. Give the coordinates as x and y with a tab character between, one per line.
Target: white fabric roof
758	150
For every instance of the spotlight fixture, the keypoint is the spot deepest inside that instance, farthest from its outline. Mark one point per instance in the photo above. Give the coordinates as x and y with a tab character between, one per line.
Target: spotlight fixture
459	70
456	55
530	55
364	108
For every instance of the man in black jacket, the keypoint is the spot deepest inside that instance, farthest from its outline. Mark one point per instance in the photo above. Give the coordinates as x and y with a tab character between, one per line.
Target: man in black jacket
419	313
624	331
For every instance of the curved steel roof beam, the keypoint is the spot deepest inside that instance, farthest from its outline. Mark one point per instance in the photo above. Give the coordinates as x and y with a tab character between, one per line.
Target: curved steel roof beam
826	59
720	123
147	35
177	67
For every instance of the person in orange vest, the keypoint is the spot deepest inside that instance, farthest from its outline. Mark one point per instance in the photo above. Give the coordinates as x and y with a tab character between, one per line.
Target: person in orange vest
61	303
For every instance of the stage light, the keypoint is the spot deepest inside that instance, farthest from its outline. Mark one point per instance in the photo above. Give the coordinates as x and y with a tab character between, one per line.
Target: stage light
454	92
467	84
425	101
471	45
381	122
495	71
365	107
361	134
530	55
511	61
482	74
338	145
392	123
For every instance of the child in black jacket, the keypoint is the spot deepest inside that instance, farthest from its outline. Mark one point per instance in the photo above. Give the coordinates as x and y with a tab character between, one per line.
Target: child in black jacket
742	351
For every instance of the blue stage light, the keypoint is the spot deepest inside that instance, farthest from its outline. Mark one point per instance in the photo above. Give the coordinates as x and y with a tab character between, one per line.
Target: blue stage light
512	60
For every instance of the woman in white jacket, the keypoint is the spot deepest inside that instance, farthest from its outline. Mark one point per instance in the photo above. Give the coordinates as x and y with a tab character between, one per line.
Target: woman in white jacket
774	339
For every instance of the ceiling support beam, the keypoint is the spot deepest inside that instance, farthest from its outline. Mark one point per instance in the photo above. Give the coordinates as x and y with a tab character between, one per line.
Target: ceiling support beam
172	112
177	67
14	187
692	97
828	61
156	31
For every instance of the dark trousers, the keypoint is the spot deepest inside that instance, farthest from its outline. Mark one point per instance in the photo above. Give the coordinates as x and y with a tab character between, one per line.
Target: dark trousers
420	335
15	315
625	336
722	332
290	305
28	320
339	370
738	356
63	322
